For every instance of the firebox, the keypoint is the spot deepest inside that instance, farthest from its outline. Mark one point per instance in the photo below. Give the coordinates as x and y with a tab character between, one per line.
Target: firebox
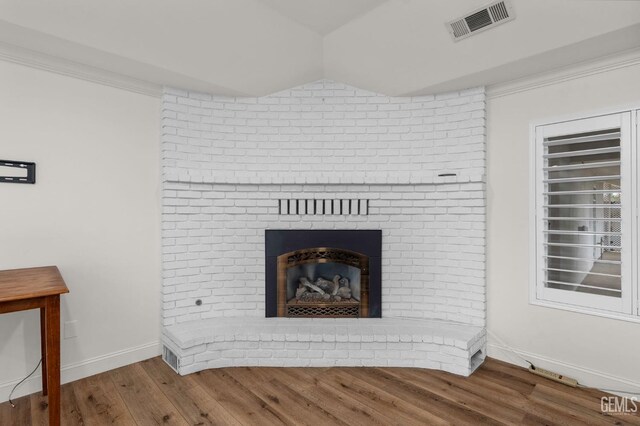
323	282
323	273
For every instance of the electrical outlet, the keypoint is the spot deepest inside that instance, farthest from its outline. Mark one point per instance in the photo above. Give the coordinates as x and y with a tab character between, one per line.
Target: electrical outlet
554	376
70	329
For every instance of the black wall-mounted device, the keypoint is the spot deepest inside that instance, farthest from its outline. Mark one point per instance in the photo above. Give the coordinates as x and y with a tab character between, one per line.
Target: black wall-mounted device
30	169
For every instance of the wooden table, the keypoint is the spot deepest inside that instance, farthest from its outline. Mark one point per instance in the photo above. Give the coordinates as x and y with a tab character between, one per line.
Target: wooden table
33	288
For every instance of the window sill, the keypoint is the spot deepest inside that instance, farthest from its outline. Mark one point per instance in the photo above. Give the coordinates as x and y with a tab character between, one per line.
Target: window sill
586	311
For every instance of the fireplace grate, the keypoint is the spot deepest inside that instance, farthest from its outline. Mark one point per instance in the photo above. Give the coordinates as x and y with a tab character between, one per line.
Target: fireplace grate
352	311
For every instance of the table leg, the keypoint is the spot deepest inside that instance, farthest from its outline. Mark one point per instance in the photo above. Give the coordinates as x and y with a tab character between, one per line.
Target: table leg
43	349
52	311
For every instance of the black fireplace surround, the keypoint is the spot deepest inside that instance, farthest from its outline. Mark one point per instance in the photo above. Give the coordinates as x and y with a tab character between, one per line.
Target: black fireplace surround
366	244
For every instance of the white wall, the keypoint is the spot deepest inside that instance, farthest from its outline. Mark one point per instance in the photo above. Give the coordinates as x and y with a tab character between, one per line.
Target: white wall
598	351
94	212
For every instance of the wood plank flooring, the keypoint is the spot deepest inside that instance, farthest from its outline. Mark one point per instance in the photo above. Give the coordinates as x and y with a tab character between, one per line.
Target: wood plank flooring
150	393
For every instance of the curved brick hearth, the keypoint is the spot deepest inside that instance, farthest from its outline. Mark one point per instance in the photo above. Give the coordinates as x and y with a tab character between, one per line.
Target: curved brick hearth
288	342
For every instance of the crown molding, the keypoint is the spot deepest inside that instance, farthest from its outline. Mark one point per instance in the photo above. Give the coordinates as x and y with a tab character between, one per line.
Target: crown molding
66	67
42	61
572	72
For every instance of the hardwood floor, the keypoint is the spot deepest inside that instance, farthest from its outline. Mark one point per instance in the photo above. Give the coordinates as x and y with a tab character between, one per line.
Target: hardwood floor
150	393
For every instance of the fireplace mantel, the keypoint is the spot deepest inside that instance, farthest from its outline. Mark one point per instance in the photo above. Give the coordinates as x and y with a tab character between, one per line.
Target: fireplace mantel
334	178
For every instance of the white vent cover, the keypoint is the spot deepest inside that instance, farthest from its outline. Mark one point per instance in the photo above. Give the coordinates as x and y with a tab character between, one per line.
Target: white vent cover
480	20
170	358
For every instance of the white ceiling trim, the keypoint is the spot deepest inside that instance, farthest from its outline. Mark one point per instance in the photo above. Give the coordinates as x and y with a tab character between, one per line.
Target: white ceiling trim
42	61
625	59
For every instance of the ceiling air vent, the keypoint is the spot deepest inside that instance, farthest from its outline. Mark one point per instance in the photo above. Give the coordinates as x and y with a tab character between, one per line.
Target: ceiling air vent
480	20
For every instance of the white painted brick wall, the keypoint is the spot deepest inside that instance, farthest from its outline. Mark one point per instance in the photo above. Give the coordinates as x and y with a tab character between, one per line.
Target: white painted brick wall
320	129
432	248
227	161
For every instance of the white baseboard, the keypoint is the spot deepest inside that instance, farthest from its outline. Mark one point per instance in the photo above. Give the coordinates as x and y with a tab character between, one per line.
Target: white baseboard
99	364
585	376
85	368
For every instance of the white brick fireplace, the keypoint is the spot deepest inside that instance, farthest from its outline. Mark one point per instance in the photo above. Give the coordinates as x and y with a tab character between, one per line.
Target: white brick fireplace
417	162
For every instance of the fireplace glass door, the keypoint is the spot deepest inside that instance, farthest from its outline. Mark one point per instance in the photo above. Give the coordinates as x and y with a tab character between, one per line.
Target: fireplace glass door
323	282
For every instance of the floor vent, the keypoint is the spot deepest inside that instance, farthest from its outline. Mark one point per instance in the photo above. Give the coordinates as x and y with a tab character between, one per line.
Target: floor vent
476	359
170	358
480	20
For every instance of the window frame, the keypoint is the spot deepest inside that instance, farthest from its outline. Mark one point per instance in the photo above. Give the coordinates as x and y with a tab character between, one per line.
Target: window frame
628	306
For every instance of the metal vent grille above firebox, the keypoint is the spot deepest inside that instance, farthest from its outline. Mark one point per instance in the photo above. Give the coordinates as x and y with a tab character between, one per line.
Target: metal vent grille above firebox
323	207
480	20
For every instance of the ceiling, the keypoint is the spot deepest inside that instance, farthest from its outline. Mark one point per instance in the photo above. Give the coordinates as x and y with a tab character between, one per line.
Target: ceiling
256	47
322	16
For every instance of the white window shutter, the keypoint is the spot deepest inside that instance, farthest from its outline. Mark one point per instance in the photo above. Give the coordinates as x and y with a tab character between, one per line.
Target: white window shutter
583	222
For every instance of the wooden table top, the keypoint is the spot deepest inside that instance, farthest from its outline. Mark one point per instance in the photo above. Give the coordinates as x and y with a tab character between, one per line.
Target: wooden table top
27	283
